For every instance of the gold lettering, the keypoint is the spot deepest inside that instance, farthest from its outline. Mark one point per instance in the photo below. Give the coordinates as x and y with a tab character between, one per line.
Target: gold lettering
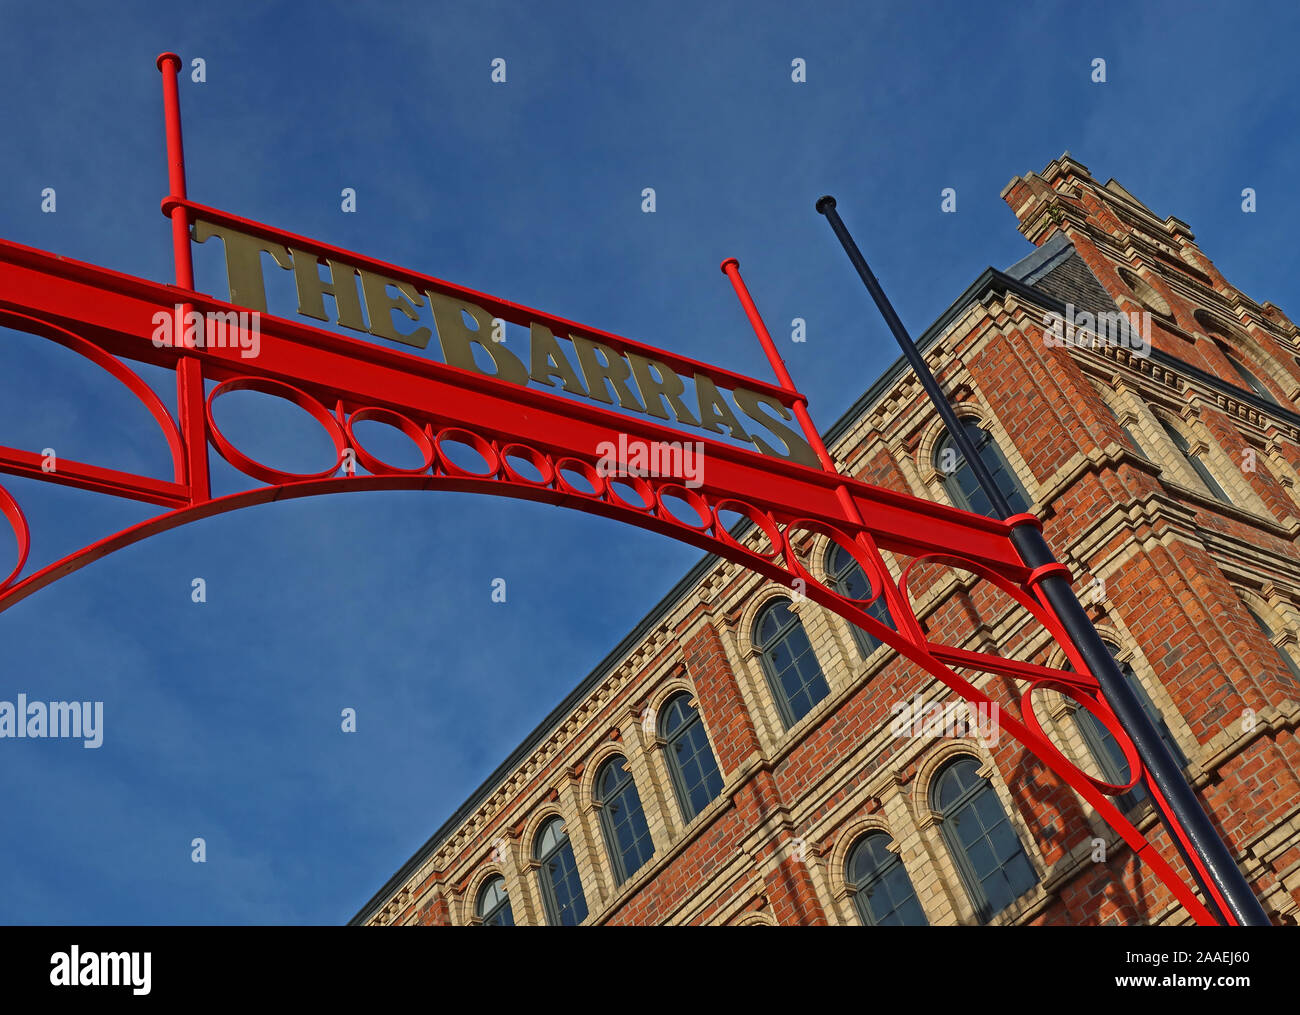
715	413
457	340
244	262
342	286
668	386
798	449
554	363
615	369
380	304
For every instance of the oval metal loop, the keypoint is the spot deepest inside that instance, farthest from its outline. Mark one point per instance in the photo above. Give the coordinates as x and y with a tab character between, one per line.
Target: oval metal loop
276	389
22	533
413	430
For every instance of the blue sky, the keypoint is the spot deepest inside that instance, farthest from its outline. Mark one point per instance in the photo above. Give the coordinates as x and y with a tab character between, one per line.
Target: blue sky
222	719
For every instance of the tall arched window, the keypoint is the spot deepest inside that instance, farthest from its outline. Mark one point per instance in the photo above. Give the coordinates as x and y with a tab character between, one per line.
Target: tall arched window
695	775
1194	462
1269	635
882	892
493	906
1133	440
622	821
845	576
959	481
990	859
1106	751
1125	429
1146	293
1228	339
557	873
1251	381
792	670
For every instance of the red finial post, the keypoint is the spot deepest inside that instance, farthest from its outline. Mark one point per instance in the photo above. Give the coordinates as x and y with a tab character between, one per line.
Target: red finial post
731	268
190	394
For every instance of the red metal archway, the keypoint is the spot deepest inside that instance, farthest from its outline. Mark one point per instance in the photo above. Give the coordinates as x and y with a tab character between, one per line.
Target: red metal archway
533	445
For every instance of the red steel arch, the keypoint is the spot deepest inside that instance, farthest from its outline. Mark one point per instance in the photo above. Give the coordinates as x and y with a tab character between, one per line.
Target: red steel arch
533	445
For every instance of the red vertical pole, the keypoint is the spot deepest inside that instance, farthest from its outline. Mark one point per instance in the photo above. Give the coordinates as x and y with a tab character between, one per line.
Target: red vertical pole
190	393
893	598
731	268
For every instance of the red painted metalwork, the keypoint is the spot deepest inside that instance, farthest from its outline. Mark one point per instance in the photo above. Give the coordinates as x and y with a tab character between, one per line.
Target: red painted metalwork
189	372
107	317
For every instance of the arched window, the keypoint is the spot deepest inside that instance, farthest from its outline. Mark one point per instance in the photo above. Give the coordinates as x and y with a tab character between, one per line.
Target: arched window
1227	338
1252	382
1269	635
1125	429
1146	293
622	821
493	906
1194	462
792	670
960	482
696	779
846	577
557	872
1133	440
989	857
1106	751
882	892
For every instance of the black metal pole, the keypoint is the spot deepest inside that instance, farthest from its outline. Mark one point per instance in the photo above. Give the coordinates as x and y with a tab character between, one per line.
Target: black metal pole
1033	549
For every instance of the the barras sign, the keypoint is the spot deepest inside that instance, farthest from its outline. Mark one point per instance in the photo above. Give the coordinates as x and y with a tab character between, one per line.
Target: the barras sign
591	368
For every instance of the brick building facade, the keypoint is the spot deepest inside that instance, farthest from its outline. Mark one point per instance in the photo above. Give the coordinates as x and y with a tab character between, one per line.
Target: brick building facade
735	759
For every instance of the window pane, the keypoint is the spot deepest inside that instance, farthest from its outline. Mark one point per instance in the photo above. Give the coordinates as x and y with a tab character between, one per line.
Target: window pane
883	893
493	906
1252	382
627	836
1108	755
566	906
1154	714
570	903
695	771
960	481
846	577
1194	461
1269	634
1106	751
549	837
988	852
790	665
675	715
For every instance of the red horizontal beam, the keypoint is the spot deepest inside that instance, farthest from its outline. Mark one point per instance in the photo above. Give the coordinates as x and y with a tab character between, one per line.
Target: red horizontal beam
116	311
515	313
1017	668
84	476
